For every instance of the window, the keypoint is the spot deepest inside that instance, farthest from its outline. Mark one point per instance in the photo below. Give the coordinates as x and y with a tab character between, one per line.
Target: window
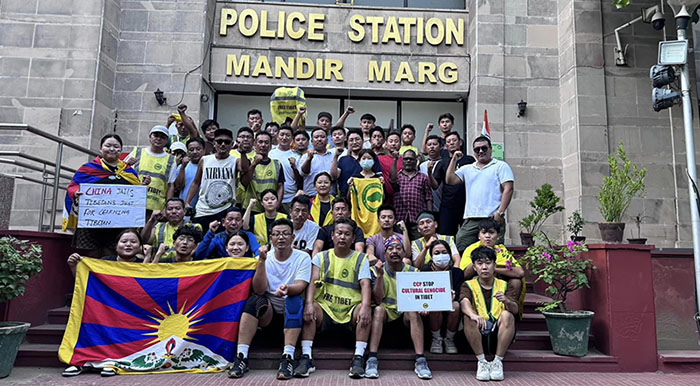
419	114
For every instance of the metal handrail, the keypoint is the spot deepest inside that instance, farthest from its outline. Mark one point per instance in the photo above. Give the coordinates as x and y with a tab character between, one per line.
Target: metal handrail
46	174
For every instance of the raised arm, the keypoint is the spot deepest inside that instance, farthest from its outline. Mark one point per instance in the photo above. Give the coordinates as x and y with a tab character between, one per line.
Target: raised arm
297	118
194	188
341	121
424	145
451	177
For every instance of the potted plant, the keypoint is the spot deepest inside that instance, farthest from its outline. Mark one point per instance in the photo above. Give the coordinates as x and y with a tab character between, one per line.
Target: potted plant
18	261
575	226
638	219
616	193
564	271
543	205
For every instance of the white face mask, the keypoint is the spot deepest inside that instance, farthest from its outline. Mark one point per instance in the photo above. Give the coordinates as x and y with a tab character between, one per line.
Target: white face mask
441	260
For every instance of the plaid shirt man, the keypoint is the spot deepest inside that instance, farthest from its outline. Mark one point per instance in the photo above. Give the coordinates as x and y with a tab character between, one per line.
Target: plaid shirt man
412	196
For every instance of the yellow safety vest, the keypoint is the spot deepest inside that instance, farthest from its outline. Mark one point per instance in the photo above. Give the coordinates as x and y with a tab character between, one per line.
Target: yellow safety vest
480	303
165	232
260	227
315	212
389	301
339	292
264	177
420	243
158	168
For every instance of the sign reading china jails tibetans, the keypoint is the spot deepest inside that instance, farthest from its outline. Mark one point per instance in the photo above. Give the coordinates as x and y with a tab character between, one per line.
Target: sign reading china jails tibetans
378	41
423	291
112	206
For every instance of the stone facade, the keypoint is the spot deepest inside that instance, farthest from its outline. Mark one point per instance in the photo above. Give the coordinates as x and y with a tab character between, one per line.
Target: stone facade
81	68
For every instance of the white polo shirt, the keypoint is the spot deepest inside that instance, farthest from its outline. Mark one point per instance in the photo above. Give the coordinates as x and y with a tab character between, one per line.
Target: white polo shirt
483	187
290	184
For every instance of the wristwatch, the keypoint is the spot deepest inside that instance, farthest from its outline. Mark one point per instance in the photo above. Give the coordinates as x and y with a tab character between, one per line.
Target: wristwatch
501	213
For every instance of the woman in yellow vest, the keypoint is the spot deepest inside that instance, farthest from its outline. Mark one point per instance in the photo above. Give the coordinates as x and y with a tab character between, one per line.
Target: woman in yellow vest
320	211
490	308
156	164
260	223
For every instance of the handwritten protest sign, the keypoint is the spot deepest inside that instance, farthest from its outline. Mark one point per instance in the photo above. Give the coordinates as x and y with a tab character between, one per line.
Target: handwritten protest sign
112	206
423	291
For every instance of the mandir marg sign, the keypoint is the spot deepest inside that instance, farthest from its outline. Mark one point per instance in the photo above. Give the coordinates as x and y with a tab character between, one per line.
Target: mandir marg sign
339	46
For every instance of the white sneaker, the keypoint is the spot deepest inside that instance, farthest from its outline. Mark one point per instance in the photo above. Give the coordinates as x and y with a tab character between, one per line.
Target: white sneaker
436	346
482	371
496	370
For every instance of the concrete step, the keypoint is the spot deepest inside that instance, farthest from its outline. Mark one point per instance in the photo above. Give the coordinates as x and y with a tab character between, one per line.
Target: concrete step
532	301
38	355
46	334
59	315
679	361
532	322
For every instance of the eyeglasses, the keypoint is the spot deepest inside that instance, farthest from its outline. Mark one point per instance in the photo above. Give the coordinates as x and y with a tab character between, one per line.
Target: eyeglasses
481	149
281	234
223	141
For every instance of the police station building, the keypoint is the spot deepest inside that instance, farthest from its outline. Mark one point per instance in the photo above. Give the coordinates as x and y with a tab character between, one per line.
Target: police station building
80	69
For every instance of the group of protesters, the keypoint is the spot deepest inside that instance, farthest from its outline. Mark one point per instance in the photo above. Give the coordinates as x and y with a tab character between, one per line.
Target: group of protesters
285	193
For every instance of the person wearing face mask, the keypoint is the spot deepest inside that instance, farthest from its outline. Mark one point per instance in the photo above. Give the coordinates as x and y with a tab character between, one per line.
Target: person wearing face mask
215	243
507	268
347	166
367	160
420	247
441	261
366	193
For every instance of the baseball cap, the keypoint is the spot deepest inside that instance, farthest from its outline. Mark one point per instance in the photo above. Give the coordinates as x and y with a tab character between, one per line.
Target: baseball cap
178	146
160	129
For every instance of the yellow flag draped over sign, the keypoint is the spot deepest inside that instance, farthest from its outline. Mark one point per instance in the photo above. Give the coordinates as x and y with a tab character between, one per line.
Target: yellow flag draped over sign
284	104
366	195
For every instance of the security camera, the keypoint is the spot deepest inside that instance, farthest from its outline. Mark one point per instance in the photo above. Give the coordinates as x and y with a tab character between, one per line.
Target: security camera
658	21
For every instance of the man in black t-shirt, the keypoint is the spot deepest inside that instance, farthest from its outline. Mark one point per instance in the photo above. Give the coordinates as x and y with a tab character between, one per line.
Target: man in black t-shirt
340	209
452	202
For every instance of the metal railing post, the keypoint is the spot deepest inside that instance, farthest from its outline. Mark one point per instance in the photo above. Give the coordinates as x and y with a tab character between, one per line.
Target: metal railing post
43	200
57	176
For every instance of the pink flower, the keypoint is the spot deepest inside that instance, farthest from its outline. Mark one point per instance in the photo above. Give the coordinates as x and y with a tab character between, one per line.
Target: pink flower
578	243
571	249
508	265
570	244
547	256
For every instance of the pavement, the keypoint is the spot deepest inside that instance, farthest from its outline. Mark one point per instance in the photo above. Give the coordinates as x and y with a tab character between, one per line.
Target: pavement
45	376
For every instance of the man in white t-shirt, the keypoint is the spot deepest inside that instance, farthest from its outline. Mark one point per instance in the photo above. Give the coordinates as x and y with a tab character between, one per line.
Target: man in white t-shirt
289	159
278	285
317	159
305	230
489	189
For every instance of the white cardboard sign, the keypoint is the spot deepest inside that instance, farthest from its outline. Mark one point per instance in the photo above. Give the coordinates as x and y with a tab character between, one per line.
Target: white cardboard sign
112	206
423	291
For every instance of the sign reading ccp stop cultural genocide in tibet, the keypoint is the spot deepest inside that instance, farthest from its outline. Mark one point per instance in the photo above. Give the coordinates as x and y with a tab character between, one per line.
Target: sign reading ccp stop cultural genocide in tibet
112	206
423	291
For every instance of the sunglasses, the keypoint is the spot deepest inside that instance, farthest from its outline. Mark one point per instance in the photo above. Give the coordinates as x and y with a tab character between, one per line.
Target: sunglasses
223	141
481	149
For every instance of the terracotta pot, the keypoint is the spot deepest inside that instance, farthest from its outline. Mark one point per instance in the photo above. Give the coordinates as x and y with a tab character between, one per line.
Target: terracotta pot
611	232
579	239
637	241
527	239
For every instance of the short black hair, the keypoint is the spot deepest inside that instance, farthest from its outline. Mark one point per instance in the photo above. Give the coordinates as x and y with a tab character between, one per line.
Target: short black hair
440	242
178	199
222	131
286	127
264	133
243	234
368	116
409	127
323	174
315	129
377	129
345	221
253	112
129	230
371	153
272	123
489	223
208	123
282	221
115	136
354	131
195	140
435	137
265	192
452	133
324	114
483	253
448	116
384	207
303	200
393	132
340	200
301	132
245	129
188	230
235	209
337	128
482	138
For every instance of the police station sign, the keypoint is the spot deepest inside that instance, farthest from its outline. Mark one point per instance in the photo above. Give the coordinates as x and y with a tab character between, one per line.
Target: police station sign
339	46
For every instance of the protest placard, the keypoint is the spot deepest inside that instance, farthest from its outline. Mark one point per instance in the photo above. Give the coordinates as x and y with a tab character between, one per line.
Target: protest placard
423	291
112	206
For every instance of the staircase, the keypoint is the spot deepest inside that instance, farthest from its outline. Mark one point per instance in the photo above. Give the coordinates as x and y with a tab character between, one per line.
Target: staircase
531	350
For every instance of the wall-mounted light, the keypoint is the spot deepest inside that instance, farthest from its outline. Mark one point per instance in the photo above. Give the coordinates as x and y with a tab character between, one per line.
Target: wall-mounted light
159	97
522	106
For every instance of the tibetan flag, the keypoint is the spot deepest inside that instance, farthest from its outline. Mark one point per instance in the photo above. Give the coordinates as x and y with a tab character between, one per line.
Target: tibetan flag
366	196
147	318
485	130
